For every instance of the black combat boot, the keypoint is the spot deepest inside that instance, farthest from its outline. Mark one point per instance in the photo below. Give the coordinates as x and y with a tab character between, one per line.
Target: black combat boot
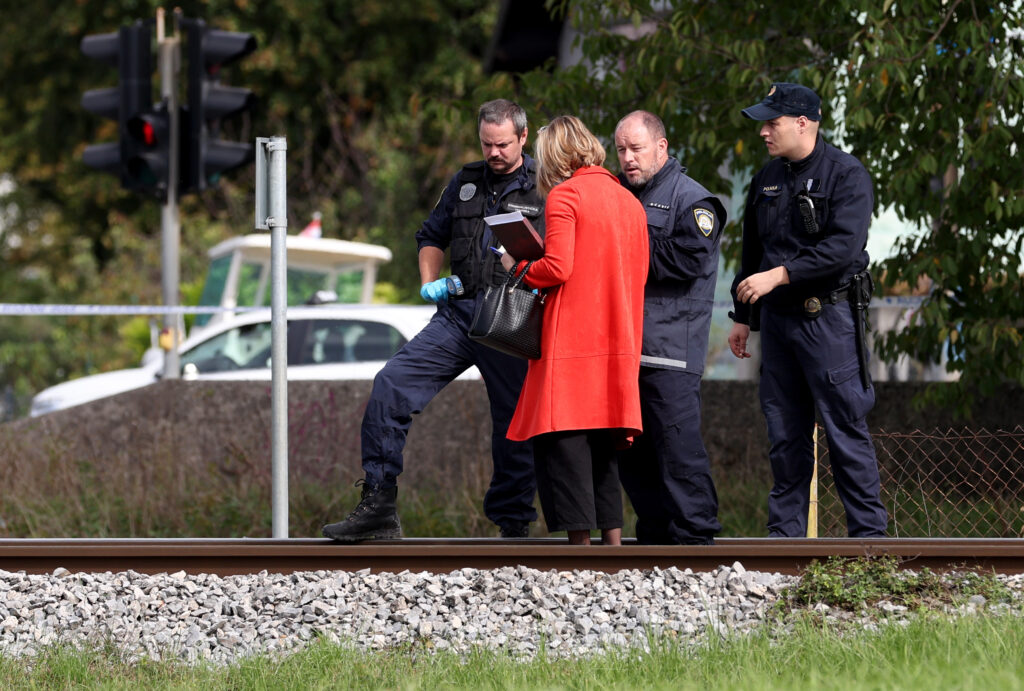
375	518
514	529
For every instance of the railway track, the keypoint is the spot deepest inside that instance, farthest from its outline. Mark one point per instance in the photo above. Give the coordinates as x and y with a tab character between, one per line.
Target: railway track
228	556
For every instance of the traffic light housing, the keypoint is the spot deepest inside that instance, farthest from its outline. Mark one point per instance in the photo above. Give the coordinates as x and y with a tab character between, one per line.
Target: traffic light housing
139	156
204	155
147	162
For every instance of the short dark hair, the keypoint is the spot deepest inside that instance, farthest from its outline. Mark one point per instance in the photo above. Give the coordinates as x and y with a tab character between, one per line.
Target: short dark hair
500	110
651	121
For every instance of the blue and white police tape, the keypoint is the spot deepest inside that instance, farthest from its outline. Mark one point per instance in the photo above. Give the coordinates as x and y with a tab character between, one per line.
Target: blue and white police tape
7	308
907	302
898	301
16	309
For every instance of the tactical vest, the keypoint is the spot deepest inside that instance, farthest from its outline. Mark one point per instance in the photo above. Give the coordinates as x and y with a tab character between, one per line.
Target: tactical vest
470	260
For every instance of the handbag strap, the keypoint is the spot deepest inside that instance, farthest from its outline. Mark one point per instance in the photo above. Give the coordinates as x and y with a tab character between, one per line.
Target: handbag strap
512	280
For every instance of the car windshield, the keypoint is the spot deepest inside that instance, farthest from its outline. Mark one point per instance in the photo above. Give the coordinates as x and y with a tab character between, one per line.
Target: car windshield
253	288
310	342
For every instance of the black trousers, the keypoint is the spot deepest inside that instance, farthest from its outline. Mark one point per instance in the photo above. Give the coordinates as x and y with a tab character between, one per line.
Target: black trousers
578	479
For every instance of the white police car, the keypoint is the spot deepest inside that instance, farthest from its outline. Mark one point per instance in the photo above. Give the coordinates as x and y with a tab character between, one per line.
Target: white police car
325	342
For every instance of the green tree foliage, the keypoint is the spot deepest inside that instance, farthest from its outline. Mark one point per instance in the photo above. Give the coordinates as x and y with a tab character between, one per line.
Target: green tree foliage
936	101
376	100
927	94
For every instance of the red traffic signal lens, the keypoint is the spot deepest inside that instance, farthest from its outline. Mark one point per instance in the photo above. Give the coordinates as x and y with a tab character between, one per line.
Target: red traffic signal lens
148	129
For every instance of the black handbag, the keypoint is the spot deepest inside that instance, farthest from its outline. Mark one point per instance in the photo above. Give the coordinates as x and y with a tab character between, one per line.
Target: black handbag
509	317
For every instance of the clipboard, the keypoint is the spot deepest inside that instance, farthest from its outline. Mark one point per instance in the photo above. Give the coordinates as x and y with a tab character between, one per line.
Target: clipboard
517	235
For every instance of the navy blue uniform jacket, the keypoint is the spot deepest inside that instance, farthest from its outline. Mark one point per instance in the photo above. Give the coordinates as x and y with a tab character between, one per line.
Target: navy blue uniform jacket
684	222
773	233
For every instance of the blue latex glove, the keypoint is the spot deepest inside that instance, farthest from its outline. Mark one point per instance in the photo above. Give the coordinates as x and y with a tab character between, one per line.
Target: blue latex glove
435	291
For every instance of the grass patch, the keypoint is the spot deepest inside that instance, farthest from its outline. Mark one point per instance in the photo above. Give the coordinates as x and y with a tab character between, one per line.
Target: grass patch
927	653
852	584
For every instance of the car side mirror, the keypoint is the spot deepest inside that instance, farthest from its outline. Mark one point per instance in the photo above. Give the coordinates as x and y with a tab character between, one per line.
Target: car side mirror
189	372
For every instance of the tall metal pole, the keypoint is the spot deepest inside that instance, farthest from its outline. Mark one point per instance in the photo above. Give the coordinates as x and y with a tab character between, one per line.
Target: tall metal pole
277	221
170	224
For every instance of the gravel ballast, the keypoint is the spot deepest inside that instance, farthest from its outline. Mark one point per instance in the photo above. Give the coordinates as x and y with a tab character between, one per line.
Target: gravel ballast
514	609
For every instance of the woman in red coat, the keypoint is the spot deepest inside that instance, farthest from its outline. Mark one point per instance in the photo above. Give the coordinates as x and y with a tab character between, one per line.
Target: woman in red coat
581	399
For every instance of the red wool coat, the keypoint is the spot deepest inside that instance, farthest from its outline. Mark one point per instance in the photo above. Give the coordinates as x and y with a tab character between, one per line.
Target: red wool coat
594	269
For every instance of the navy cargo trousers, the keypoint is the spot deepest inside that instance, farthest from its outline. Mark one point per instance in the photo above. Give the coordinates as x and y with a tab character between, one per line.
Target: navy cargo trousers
410	380
807	363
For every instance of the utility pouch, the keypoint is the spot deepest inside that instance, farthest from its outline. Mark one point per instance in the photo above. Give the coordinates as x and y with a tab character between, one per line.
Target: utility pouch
863	285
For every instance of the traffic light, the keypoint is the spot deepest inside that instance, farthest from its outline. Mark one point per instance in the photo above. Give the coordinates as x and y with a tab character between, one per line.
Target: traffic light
139	157
204	155
148	149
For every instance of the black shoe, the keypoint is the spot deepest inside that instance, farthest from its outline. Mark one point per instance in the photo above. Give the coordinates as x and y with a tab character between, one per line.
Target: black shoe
515	529
375	518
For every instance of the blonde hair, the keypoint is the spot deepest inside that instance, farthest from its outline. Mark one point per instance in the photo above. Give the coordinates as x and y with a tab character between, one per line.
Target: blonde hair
564	146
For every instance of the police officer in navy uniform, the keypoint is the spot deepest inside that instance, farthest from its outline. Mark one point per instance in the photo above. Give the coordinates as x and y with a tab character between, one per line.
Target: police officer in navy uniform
803	282
666	472
503	182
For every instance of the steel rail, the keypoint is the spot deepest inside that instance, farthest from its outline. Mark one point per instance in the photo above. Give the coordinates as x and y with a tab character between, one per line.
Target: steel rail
228	556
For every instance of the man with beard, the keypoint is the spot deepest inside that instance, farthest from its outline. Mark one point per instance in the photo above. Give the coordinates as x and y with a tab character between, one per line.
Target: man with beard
666	472
503	182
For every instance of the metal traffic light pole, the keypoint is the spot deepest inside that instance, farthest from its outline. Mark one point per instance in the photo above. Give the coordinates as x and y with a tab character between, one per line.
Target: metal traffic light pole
169	61
272	214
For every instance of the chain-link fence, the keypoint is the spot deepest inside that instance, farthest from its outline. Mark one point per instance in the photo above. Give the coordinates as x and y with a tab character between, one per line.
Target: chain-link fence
952	483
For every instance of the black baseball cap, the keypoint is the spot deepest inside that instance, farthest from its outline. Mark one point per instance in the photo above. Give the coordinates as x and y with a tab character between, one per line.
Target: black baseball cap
786	99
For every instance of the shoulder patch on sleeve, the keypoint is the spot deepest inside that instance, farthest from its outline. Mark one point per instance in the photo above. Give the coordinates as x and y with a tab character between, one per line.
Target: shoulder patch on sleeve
705	220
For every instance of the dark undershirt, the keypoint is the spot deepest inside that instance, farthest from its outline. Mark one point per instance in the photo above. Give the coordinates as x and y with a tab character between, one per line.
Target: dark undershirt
496	184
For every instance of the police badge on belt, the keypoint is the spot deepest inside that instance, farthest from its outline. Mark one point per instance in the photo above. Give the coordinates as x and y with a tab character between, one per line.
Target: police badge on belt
812	307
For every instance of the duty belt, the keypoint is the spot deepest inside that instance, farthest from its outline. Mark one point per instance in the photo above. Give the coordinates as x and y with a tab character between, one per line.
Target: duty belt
858	291
813	304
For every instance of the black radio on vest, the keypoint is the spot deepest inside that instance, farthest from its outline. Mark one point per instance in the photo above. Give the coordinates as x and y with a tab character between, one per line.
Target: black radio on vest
806	206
